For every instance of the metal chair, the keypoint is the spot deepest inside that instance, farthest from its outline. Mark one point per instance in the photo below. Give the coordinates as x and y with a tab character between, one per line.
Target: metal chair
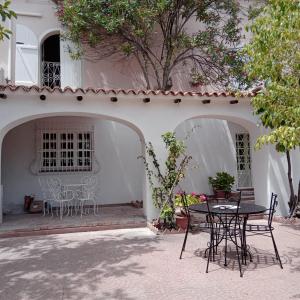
190	226
47	196
266	229
225	227
89	186
62	198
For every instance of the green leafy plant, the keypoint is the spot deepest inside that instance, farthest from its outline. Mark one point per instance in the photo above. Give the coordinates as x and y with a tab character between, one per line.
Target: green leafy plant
5	13
191	199
273	60
222	181
163	180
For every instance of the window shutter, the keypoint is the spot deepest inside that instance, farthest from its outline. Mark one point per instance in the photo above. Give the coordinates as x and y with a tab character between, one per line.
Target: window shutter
70	68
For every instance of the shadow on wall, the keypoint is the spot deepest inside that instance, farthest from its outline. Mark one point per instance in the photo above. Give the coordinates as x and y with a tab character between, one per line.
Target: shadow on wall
212	146
119	148
118	73
278	181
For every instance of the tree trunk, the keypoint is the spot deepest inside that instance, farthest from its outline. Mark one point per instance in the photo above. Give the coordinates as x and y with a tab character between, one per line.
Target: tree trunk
292	200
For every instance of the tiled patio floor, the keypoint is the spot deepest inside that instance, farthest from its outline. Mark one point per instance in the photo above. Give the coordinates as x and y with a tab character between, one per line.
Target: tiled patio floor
108	217
135	264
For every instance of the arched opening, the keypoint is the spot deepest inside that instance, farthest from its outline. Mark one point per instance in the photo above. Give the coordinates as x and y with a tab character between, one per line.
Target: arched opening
70	148
50	61
217	145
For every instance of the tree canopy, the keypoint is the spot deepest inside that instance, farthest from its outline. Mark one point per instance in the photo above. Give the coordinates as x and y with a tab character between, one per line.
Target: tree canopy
274	59
163	35
5	13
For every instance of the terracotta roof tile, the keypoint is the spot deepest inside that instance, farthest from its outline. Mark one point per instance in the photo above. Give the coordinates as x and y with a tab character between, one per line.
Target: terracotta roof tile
96	91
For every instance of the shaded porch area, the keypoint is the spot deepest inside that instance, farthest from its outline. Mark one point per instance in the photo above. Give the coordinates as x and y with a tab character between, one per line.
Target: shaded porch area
108	217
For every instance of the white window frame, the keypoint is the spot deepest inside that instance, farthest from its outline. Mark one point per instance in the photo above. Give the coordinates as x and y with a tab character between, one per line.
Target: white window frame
243	158
63	155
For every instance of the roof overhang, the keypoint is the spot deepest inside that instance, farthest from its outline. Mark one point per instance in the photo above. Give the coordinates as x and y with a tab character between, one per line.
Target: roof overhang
124	93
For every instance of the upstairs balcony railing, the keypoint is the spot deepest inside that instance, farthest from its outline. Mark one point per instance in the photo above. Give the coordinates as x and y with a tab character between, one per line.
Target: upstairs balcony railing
50	74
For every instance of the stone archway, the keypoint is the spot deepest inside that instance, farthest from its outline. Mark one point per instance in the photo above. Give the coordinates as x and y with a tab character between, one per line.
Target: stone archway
117	161
216	145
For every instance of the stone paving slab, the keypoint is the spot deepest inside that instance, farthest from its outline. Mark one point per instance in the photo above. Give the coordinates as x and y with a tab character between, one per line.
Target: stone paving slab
135	264
110	217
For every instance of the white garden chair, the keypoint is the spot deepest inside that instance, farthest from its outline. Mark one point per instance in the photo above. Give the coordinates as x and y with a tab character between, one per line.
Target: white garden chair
47	196
60	196
87	197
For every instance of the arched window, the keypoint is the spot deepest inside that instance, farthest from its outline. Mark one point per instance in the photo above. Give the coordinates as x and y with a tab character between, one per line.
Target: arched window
50	68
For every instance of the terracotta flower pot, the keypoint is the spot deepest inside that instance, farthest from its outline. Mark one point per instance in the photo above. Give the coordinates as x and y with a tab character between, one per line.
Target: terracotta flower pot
220	194
182	222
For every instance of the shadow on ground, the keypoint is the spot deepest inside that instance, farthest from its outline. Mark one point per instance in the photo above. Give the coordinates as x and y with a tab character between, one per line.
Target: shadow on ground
42	266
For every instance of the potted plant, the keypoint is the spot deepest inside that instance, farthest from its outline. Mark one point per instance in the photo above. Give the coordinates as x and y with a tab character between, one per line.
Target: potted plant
181	218
222	184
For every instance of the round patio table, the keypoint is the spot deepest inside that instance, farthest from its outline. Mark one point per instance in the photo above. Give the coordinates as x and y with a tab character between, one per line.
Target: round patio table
225	211
221	208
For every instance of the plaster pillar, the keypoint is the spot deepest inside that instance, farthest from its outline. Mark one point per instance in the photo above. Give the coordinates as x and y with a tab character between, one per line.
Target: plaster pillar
153	134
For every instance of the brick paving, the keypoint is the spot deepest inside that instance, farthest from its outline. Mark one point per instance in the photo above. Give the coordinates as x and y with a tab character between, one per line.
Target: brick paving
108	217
136	264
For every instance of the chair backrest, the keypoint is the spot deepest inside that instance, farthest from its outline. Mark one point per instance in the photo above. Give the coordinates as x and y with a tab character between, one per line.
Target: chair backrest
47	195
272	209
55	187
89	186
210	216
235	197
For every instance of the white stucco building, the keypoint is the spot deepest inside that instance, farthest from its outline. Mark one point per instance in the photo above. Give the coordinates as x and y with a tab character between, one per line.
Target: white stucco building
48	100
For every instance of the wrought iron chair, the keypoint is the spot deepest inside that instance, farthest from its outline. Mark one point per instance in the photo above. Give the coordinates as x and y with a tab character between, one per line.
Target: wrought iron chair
224	228
47	197
266	229
191	227
62	198
88	194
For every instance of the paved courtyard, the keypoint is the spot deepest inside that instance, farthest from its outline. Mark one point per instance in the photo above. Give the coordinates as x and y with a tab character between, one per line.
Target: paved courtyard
135	264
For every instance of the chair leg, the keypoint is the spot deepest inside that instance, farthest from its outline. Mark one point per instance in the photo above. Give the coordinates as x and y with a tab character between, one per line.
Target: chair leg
238	255
276	250
211	246
185	238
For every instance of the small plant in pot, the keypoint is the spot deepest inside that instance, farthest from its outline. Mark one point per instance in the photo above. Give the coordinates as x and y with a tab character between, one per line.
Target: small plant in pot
222	184
181	218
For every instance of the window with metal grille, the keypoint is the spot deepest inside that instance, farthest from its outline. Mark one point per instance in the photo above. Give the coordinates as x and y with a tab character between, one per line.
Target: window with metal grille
243	158
65	151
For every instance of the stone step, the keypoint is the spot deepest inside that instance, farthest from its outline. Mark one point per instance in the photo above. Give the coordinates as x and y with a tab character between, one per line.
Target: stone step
246	189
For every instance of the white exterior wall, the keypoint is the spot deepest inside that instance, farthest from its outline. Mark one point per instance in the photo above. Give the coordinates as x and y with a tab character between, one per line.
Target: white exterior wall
149	121
40	18
116	149
212	147
112	72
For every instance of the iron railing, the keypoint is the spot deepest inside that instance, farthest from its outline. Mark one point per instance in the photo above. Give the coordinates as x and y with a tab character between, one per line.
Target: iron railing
50	74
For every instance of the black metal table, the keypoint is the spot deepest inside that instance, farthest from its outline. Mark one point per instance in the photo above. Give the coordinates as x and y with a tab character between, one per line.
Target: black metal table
224	211
245	208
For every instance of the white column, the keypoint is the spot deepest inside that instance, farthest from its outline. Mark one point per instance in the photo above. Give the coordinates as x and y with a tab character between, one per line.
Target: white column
152	133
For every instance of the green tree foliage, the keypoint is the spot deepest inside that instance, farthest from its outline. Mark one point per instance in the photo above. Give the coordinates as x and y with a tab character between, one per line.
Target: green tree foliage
5	13
161	34
274	59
